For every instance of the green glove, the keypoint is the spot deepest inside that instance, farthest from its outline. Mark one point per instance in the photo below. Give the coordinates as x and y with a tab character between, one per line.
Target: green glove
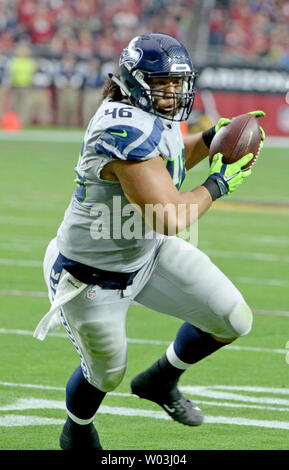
259	114
229	176
222	122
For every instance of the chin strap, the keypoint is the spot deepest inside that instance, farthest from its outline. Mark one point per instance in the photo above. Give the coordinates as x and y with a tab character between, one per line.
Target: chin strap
124	90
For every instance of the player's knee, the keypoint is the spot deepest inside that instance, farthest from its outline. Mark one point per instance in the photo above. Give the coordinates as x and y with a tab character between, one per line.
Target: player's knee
108	380
241	319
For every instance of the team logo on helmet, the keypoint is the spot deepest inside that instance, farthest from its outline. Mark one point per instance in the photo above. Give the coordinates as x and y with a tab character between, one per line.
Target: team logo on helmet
131	54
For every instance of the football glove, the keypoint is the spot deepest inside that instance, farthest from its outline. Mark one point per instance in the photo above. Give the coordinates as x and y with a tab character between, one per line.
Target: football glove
229	176
222	122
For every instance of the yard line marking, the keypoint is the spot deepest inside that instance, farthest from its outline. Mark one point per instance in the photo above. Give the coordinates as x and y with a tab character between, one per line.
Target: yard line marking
36	403
264	282
255	349
146	341
21	262
23	293
36	386
277	313
19	420
52	135
211	392
75	135
250	388
246	255
266	240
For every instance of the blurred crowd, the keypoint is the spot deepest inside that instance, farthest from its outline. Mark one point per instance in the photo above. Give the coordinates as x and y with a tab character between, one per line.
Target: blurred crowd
87	27
55	54
251	32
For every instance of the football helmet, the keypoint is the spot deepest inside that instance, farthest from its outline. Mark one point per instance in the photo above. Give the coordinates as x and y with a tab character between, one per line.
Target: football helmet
157	56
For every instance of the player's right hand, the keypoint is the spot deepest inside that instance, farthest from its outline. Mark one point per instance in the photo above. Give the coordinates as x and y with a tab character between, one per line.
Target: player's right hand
229	176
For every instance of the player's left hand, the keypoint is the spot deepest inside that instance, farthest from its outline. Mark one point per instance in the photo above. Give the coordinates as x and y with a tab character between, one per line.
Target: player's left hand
229	176
222	122
259	114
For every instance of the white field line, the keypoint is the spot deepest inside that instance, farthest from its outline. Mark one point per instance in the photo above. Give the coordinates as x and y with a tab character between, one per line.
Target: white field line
24	263
23	293
76	135
277	313
263	240
38	135
18	420
36	403
5	220
262	282
245	255
25	404
6	331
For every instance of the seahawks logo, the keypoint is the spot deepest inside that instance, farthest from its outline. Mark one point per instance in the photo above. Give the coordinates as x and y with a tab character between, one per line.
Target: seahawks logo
131	53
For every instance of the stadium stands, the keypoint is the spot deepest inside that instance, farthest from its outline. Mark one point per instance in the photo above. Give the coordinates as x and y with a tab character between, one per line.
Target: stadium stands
251	32
93	32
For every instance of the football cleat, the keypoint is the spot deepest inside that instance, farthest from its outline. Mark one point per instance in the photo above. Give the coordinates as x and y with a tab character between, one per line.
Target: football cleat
178	407
78	437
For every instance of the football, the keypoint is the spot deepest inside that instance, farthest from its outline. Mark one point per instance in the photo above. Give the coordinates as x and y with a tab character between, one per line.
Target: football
238	138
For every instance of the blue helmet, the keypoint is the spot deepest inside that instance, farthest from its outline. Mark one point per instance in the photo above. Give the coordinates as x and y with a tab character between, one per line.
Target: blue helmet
157	55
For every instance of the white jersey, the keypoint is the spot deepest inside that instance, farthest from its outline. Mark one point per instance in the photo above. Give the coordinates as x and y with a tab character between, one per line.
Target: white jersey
100	228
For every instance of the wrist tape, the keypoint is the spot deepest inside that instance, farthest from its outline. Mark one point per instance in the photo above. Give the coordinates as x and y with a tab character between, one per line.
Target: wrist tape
208	136
212	186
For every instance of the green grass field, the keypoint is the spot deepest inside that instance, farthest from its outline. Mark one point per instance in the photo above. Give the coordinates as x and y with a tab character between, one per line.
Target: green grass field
243	389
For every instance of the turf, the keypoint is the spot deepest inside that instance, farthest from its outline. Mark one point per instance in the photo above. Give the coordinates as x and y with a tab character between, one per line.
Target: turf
246	235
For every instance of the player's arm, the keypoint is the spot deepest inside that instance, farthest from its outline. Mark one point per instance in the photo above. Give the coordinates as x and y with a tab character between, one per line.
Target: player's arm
195	149
149	186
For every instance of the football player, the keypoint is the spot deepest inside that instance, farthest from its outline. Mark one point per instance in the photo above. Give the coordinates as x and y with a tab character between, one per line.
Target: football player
134	155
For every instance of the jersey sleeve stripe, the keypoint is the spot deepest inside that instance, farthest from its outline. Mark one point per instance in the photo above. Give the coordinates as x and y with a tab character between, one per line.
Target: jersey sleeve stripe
114	140
149	145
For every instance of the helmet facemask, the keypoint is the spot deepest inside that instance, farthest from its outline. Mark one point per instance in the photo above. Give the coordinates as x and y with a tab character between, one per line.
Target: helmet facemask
179	102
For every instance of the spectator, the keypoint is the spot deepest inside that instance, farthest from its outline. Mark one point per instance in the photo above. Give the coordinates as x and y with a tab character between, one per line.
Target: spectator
92	89
40	109
106	44
63	41
68	83
41	26
85	44
21	72
251	31
3	85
